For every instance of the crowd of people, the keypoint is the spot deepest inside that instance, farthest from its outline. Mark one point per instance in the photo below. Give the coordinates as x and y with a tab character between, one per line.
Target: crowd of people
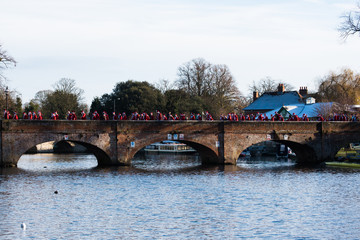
148	117
158	116
278	117
29	115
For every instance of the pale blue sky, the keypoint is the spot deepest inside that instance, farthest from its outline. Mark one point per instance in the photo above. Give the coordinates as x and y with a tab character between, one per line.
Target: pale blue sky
101	42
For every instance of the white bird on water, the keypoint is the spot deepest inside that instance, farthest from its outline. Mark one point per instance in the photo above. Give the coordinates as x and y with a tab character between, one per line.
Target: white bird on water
23	226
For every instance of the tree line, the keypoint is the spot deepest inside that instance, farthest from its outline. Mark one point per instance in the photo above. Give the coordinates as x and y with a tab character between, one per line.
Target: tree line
200	87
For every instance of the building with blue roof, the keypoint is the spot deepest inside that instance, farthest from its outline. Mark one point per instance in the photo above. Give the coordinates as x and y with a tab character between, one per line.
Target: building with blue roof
287	103
269	101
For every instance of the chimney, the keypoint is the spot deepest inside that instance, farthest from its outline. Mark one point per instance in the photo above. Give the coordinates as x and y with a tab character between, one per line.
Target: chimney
303	91
255	95
281	88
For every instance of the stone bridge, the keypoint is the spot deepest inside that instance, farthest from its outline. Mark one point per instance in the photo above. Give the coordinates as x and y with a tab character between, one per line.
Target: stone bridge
217	142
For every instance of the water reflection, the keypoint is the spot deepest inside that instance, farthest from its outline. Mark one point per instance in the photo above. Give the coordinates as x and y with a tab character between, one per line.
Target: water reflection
166	162
265	162
49	162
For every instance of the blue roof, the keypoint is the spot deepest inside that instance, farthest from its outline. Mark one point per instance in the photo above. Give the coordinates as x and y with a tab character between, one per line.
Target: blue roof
274	100
311	110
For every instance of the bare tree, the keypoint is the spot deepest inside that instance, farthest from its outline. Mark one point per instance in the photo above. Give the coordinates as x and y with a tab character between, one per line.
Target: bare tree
164	85
68	86
214	84
343	88
5	61
194	77
243	102
350	24
222	87
267	84
326	109
65	96
41	96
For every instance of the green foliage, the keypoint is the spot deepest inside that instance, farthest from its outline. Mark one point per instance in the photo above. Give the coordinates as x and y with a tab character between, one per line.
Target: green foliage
62	102
32	106
130	96
18	104
96	104
13	100
65	97
178	101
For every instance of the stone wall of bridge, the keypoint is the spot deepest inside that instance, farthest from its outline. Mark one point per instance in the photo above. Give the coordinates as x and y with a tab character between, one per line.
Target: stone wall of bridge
19	136
299	136
218	142
202	136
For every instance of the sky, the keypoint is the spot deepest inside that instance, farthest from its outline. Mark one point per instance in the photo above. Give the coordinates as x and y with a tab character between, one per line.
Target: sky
100	43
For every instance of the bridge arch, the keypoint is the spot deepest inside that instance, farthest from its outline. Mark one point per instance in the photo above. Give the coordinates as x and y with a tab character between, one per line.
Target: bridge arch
207	155
304	153
102	157
337	145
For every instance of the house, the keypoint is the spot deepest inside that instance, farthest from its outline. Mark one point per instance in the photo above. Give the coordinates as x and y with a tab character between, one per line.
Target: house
288	103
269	101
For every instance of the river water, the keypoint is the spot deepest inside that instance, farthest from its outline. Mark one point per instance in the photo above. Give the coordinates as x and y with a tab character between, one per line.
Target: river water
176	198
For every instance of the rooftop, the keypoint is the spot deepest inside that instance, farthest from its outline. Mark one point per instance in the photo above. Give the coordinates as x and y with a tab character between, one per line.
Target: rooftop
311	110
275	100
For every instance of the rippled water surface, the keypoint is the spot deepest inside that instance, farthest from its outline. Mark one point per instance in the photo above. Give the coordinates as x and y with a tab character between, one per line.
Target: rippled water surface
176	198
